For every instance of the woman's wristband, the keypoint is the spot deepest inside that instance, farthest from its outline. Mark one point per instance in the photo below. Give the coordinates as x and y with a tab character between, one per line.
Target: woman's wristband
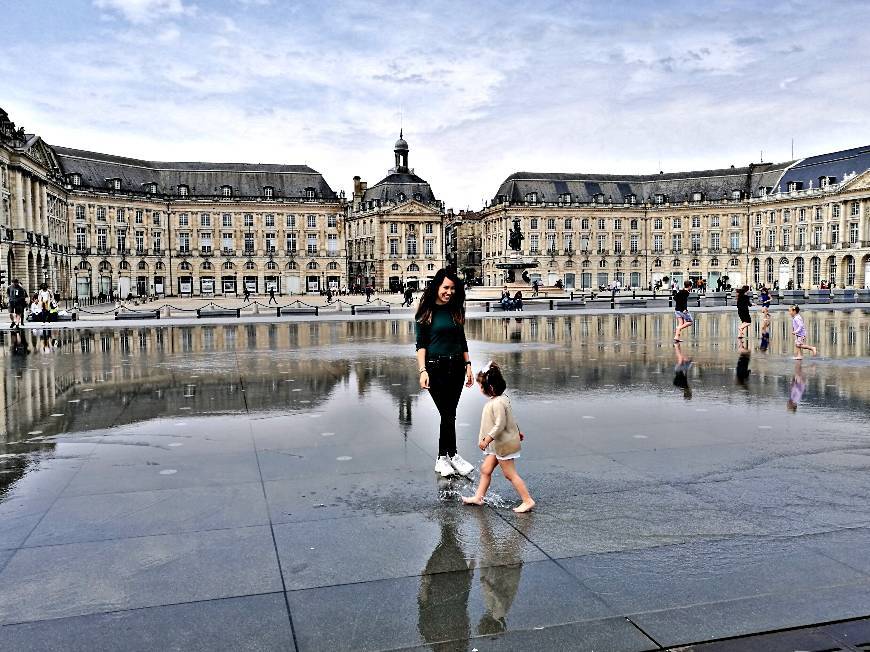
468	363
423	370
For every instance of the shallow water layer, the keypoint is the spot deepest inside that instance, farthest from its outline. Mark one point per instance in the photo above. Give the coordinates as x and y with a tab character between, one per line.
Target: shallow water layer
671	482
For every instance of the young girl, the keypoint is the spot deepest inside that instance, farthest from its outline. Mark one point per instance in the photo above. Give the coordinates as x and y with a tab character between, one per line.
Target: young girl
800	333
499	438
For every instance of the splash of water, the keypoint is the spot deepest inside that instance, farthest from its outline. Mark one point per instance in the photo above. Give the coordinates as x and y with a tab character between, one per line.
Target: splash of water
491	499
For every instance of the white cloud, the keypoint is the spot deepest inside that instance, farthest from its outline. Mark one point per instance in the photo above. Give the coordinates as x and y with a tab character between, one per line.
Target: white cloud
145	11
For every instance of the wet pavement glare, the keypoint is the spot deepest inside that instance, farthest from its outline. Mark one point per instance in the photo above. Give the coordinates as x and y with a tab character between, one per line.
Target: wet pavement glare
270	486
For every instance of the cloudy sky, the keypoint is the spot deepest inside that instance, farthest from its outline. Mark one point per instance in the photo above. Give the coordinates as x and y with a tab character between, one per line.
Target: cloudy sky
483	88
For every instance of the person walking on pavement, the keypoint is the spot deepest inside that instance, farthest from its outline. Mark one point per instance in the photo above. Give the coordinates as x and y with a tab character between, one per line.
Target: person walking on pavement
272	296
409	297
246	293
17	297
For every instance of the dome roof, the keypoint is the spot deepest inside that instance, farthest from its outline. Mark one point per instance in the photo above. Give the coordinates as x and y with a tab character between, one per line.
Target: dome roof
401	144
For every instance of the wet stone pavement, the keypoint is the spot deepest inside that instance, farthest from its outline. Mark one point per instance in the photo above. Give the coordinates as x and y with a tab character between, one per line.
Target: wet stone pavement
270	487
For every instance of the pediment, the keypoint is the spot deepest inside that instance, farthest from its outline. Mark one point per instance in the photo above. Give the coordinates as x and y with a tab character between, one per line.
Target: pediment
39	151
412	207
858	182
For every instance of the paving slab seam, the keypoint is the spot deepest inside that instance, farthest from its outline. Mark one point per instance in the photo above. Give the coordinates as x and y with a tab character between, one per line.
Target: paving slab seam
268	513
782	630
176	488
133	609
42	517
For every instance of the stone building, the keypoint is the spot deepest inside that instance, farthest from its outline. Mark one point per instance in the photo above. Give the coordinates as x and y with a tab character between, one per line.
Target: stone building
802	222
164	228
395	229
33	215
463	243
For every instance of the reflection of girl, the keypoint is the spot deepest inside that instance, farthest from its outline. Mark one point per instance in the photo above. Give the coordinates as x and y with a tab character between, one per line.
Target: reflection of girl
797	389
681	371
442	358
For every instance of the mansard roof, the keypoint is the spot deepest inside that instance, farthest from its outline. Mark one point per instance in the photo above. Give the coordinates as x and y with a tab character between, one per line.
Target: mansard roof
675	186
201	178
835	165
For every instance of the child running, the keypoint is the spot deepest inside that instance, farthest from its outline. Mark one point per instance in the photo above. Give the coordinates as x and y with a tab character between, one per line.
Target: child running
499	439
681	310
800	333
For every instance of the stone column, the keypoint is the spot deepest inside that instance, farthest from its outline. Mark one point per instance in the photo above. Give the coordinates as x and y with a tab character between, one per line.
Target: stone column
18	219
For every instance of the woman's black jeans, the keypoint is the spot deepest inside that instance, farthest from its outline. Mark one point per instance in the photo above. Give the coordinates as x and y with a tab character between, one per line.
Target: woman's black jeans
446	377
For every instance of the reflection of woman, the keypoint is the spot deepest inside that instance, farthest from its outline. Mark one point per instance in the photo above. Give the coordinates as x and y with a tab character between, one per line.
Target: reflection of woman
743	370
443	599
501	566
442	358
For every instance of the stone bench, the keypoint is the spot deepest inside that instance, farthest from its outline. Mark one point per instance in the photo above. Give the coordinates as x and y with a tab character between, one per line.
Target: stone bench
298	310
370	308
630	303
819	296
206	313
862	295
567	304
845	296
68	317
138	314
793	297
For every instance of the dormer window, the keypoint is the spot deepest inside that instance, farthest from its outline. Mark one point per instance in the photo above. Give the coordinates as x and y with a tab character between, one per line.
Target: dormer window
697	196
401	196
75	179
659	198
762	191
532	197
824	182
152	188
631	199
599	198
226	191
418	196
736	195
115	184
183	191
795	185
309	193
268	192
566	198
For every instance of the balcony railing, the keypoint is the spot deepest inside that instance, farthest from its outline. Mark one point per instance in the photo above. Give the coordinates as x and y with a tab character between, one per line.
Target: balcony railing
83	251
226	251
205	253
102	251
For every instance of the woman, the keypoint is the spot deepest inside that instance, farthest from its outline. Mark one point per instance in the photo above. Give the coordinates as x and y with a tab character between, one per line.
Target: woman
743	304
443	362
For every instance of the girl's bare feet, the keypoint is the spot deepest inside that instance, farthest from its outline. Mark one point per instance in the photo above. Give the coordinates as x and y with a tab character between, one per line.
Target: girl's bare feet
814	350
522	508
472	500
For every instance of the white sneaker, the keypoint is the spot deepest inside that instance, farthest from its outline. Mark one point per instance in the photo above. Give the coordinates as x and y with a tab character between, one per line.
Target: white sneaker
443	467
462	467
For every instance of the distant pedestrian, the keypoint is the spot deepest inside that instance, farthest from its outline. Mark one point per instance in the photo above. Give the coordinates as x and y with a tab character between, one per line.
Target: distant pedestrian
535	285
409	297
743	304
246	293
499	439
800	333
368	293
681	311
764	297
272	296
17	298
329	295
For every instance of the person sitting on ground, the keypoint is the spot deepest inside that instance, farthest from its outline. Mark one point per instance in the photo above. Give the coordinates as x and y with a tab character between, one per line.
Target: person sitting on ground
35	308
518	300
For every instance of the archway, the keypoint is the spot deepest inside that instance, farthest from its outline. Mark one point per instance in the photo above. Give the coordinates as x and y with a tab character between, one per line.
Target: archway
848	271
784	272
866	267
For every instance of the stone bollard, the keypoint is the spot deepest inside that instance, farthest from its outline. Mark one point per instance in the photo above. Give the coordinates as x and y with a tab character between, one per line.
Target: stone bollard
256	308
166	312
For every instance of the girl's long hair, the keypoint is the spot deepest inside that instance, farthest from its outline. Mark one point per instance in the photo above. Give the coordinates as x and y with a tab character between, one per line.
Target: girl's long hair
430	293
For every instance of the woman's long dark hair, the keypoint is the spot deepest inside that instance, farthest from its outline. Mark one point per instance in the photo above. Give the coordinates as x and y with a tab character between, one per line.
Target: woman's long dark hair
430	294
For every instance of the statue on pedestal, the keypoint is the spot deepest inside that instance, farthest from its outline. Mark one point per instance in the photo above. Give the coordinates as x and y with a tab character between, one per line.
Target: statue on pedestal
516	237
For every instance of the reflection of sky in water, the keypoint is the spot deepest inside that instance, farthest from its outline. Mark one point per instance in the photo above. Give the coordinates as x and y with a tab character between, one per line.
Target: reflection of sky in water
561	371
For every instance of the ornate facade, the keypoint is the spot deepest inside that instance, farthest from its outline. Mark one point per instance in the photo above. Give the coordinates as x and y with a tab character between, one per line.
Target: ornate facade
801	223
395	229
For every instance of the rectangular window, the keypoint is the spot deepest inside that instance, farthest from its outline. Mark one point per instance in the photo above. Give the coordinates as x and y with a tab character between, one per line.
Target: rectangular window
332	244
533	243
227	242
102	238
139	216
696	221
835	210
617	224
658	243
818	212
617	244
695	242
551	243
184	243
757	240
291	221
155	218
394	228
657	223
633	244
817	236
835	233
735	220
853	232
248	220
601	224
157	241
551	223
568	224
205	242
771	238
786	237
81	237
714	241
204	219
569	242
411	242
140	242
311	244
714	221
429	230
584	224
122	216
802	215
854	209
80	212
677	242
533	223
429	247
249	242
270	243
312	221
183	219
101	213
678	223
394	247
226	220
121	241
801	237
602	243
291	242
269	219
331	221
758	220
735	241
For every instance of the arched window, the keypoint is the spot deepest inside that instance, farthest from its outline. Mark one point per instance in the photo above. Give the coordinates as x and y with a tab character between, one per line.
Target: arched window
228	265
430	267
312	265
735	262
768	270
832	270
657	262
142	265
292	265
618	263
585	263
159	265
185	266
714	262
250	265
413	267
124	265
332	265
602	263
205	265
271	265
635	263
695	262
849	262
816	270
569	264
105	266
395	267
676	263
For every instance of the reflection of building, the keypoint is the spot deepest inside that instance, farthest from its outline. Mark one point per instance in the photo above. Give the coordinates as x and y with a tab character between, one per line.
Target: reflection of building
463	233
394	233
803	221
33	216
